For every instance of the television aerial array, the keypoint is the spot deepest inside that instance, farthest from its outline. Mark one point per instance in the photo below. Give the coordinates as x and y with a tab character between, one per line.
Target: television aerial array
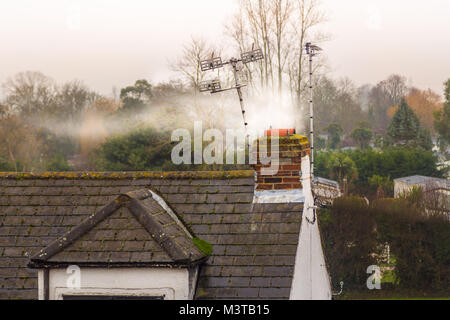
214	86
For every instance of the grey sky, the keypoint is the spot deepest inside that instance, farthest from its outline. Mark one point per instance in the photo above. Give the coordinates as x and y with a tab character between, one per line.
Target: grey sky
114	42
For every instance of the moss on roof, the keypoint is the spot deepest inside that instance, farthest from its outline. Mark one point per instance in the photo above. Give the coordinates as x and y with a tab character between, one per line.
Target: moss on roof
203	246
131	175
295	138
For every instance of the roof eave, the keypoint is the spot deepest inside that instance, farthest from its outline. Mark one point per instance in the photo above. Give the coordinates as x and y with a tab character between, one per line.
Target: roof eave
41	264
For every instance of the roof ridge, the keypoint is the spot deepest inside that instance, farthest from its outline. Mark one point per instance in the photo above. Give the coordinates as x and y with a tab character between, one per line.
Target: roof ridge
195	175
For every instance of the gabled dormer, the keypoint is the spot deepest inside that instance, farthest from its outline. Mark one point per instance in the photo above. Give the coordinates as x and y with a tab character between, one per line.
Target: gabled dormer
134	247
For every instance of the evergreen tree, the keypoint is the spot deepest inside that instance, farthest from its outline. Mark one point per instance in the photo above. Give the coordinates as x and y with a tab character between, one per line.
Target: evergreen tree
320	143
442	119
378	141
405	129
362	135
137	96
341	166
142	149
334	131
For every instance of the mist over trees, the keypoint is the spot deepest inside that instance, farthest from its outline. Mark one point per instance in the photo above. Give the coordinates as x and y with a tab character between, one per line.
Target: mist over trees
62	127
280	28
47	125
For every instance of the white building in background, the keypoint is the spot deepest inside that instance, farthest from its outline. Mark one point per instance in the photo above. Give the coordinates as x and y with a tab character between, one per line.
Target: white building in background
406	184
436	192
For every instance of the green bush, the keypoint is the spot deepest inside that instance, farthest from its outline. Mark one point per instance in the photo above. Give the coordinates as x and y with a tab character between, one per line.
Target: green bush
353	233
348	232
148	149
390	163
385	183
145	148
58	164
420	242
6	165
394	163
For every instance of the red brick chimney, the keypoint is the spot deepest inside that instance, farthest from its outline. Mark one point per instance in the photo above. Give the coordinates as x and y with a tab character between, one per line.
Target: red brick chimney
285	150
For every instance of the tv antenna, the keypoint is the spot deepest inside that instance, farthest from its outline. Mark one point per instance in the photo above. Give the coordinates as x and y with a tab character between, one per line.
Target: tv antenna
214	86
311	50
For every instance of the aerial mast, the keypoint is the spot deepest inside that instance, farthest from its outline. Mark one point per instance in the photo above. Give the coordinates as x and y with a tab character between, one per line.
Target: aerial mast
311	51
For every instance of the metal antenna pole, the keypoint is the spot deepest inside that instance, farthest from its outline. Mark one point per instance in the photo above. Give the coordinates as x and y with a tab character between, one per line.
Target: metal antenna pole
311	50
239	91
311	112
241	100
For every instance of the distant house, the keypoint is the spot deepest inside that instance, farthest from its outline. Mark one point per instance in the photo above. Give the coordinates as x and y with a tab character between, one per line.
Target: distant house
406	184
326	190
444	165
436	191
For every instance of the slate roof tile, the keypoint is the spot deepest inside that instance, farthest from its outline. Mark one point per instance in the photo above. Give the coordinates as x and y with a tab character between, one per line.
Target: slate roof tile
272	293
261	282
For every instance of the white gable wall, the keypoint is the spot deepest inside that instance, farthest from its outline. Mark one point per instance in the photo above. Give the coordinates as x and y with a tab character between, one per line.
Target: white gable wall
311	280
170	283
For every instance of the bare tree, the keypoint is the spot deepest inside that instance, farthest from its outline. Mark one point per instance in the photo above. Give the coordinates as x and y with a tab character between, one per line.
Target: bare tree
200	107
281	29
396	88
188	65
239	33
281	11
436	198
385	94
20	141
258	13
72	99
306	16
30	93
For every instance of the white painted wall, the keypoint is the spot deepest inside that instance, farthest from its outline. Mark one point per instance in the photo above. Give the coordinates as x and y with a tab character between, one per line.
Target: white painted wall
41	284
311	280
172	283
400	188
279	196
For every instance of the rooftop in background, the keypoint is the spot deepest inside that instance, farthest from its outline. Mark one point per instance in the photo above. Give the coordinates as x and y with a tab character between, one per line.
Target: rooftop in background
422	180
326	182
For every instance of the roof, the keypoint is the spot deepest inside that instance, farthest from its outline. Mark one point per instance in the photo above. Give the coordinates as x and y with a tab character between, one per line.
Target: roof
422	180
326	182
134	229
254	245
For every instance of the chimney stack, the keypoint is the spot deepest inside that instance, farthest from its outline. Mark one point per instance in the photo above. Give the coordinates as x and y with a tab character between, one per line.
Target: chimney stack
285	153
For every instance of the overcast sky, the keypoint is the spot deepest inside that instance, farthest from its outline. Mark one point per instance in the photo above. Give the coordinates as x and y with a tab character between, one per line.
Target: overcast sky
108	43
